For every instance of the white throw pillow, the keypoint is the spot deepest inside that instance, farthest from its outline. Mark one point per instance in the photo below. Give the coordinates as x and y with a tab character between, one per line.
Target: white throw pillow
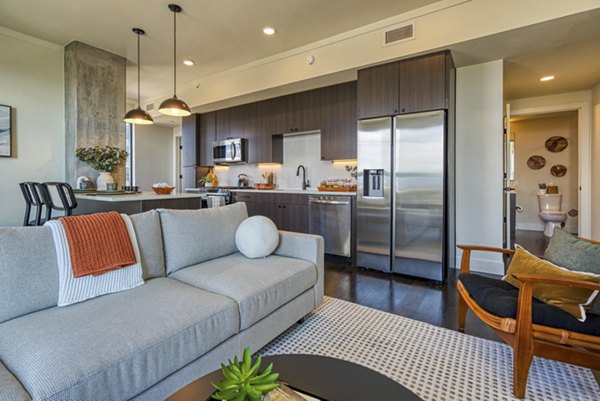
257	237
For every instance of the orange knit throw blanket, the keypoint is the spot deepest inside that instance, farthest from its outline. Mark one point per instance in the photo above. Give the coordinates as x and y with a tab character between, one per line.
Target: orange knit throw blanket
98	243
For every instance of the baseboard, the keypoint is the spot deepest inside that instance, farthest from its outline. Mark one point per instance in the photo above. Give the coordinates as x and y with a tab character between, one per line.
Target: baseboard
530	226
479	263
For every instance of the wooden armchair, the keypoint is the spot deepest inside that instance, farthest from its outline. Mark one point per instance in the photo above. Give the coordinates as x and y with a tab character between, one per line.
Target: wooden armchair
570	342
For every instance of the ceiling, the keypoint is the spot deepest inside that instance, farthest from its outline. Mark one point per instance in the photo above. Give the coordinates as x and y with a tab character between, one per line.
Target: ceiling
222	34
216	34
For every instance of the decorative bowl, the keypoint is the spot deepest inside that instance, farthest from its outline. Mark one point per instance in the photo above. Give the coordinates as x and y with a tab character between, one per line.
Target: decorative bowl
163	190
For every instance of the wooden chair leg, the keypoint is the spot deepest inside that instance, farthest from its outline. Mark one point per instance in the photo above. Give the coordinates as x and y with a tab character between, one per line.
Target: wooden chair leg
462	313
522	363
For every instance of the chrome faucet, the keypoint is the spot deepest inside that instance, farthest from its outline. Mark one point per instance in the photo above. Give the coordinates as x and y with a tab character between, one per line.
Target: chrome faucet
305	182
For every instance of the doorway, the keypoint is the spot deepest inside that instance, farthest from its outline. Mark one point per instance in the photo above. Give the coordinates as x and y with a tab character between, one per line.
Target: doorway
574	150
545	160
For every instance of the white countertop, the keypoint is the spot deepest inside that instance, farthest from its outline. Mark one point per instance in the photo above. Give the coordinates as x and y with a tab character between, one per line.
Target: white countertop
296	191
143	196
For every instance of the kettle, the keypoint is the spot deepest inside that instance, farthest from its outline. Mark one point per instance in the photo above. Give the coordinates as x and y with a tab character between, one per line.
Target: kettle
242	180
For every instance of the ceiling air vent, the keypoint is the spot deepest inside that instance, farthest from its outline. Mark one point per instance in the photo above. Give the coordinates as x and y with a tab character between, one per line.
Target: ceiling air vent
399	34
150	107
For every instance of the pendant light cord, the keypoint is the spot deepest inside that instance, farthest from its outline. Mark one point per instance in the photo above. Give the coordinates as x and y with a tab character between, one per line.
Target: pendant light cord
138	70
174	54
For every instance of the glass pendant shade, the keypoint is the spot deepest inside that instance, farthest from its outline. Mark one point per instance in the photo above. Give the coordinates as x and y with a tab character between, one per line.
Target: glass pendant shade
137	115
174	106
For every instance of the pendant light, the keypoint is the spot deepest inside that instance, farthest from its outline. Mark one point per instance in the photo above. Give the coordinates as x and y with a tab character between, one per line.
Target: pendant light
174	106
137	115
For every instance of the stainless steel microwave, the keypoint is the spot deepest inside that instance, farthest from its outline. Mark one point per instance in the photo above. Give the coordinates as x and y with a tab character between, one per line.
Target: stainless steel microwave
230	151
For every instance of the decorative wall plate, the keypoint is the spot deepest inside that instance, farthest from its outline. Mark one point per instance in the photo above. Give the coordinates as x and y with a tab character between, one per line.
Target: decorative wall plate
556	144
558	170
536	162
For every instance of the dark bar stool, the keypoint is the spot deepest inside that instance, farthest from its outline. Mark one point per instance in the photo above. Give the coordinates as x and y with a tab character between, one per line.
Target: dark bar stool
68	202
33	198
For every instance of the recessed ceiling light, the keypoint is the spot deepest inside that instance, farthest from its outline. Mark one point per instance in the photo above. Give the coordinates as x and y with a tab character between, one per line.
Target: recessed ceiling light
189	62
547	78
268	30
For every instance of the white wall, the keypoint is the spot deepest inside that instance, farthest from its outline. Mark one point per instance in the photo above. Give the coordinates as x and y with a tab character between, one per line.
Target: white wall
152	155
596	162
31	81
530	137
479	158
298	149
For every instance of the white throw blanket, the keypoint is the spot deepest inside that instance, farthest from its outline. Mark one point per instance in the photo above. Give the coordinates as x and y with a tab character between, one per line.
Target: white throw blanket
72	290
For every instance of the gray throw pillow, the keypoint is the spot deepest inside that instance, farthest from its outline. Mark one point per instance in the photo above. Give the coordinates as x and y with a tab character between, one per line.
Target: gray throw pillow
574	254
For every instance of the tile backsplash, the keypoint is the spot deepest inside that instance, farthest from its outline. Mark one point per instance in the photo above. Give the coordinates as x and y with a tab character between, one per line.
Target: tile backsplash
302	149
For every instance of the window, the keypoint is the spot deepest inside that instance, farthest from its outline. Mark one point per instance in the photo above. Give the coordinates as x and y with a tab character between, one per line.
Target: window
129	149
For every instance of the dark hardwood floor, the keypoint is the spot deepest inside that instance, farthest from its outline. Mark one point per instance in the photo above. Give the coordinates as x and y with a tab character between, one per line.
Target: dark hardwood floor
404	296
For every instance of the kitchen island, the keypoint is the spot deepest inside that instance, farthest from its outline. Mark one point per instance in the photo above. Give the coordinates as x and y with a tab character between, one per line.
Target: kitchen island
135	203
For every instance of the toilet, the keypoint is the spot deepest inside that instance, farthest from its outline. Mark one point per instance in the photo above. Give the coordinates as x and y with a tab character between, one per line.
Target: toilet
550	212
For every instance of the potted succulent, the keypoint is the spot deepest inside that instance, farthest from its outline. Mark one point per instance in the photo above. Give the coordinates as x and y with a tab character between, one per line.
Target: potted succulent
103	159
243	382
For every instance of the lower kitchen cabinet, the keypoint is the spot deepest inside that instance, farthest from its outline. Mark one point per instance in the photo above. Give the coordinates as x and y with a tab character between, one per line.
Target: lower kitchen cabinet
289	212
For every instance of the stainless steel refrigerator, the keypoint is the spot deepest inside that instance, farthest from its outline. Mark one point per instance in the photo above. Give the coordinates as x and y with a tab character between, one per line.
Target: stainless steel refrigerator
402	195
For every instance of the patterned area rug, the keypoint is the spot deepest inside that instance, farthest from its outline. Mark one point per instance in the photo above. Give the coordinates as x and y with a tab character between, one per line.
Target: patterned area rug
435	363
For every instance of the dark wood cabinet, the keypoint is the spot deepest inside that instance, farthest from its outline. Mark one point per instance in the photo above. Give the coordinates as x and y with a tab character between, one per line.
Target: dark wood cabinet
222	124
189	178
377	91
303	111
338	121
423	83
208	135
289	212
407	86
190	136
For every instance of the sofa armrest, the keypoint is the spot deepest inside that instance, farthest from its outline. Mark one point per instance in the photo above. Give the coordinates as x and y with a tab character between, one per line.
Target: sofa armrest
307	247
10	388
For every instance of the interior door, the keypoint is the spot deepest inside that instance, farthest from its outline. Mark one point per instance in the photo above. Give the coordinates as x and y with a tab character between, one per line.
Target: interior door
509	175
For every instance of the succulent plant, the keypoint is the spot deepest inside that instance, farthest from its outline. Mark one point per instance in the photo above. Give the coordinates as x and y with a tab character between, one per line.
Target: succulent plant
242	381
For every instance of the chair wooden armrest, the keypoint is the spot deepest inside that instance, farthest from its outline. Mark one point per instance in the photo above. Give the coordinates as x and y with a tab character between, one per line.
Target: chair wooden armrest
465	263
537	279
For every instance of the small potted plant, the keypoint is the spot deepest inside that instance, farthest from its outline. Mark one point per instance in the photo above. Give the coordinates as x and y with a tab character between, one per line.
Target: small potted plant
242	380
103	159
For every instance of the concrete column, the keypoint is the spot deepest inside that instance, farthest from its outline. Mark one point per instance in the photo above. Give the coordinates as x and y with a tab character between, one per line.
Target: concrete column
94	105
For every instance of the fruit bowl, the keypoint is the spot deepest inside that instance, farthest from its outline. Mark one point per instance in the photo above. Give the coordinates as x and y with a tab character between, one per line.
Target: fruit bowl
163	190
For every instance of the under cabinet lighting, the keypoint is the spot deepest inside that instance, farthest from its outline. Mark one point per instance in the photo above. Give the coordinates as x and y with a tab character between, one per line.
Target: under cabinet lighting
344	161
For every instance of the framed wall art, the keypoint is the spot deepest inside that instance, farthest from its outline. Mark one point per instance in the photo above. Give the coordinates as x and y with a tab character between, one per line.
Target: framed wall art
5	131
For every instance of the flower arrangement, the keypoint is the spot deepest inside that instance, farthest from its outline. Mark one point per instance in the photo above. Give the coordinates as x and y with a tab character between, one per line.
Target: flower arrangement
102	158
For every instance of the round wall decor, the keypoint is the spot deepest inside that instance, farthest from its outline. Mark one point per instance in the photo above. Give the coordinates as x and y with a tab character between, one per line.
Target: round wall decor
558	170
556	144
573	212
536	162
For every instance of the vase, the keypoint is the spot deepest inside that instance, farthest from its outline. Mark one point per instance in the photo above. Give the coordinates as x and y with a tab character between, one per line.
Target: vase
103	179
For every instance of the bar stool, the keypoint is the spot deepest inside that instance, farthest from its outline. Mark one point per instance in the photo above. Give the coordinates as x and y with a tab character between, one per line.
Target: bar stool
68	202
33	198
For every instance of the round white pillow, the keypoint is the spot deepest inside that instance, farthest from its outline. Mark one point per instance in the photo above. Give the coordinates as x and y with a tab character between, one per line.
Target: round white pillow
257	237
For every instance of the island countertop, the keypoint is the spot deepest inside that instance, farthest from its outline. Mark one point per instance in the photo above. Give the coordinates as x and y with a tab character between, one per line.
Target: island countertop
296	191
142	196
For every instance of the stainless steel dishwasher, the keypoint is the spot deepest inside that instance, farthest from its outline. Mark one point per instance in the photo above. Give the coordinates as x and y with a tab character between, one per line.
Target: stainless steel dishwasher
331	217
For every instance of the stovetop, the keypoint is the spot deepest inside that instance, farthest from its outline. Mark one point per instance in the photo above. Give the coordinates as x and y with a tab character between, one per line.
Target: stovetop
222	189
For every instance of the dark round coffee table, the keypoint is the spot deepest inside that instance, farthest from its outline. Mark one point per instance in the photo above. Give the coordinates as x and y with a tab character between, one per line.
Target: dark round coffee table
322	377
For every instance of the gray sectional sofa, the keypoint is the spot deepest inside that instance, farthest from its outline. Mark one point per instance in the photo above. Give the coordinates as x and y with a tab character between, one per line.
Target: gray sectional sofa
202	302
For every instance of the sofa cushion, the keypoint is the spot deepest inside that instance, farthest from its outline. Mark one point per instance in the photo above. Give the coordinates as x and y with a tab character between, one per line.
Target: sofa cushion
259	286
149	237
10	388
28	271
500	298
194	236
114	347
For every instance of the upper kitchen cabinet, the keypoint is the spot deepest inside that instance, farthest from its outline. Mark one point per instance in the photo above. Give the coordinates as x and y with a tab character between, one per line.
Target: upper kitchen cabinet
407	86
377	91
197	135
303	111
222	124
338	121
423	83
